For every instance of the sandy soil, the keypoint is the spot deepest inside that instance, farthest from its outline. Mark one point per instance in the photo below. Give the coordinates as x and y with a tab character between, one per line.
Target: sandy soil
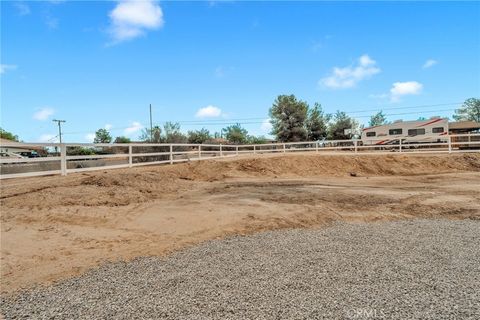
56	227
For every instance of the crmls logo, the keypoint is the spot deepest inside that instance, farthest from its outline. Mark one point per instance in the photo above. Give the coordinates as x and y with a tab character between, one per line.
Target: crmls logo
365	313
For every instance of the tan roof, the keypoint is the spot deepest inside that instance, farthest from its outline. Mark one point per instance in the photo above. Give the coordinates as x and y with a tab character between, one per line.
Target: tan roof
472	125
15	144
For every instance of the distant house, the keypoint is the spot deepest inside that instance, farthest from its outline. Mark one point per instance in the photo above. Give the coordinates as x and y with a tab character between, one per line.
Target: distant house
11	148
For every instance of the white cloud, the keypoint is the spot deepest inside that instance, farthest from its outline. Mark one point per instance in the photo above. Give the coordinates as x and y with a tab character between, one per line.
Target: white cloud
348	77
131	18
43	114
135	127
22	8
209	112
429	63
108	126
89	137
5	67
266	126
48	138
400	89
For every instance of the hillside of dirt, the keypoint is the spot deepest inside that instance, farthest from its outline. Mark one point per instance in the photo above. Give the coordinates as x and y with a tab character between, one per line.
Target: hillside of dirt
55	227
138	185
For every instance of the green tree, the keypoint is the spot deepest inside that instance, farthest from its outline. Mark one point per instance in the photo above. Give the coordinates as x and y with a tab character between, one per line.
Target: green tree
378	119
154	137
235	134
199	136
122	139
8	135
288	116
102	136
256	139
173	133
317	123
469	111
341	121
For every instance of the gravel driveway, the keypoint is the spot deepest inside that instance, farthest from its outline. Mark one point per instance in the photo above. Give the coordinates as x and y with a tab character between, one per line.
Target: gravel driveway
417	269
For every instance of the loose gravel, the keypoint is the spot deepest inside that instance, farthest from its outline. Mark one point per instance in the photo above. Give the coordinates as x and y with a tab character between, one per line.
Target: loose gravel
418	269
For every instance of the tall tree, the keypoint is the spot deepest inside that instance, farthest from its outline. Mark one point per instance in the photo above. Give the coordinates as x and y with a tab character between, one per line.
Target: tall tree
378	119
288	116
173	133
153	136
317	123
199	136
8	135
102	136
341	122
470	110
235	134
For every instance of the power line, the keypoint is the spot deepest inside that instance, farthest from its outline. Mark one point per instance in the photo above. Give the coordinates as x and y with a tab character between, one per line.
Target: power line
252	120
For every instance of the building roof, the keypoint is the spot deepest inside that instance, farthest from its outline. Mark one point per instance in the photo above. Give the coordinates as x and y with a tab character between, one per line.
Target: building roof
15	144
464	125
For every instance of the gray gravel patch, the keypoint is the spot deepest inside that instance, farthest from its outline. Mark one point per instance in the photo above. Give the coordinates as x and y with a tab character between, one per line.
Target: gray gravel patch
418	269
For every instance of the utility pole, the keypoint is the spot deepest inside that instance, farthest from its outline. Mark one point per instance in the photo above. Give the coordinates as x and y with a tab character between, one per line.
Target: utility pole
151	126
59	128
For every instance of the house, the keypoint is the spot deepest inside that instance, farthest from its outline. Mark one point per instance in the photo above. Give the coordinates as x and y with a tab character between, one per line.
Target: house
12	148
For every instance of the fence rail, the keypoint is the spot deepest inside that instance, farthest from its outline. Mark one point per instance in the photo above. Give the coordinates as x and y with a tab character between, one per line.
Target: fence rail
125	155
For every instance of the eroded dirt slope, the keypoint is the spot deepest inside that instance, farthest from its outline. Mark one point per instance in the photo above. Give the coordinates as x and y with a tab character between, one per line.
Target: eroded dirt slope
55	227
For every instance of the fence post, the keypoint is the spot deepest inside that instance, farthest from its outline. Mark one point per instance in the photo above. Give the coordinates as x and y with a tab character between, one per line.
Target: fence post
355	144
171	154
254	149
221	151
316	146
236	150
63	159
130	160
199	151
400	145
284	148
449	144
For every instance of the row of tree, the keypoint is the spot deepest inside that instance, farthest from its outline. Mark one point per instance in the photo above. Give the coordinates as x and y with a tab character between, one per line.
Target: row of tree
292	120
171	133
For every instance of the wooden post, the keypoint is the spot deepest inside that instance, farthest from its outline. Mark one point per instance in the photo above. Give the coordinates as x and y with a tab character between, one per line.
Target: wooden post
199	151
130	160
171	154
63	159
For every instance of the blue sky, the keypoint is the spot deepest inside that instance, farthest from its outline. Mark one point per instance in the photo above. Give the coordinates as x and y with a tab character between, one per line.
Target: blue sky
100	64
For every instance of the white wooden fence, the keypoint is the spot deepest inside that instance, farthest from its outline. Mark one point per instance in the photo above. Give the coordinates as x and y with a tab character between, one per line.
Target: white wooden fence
124	155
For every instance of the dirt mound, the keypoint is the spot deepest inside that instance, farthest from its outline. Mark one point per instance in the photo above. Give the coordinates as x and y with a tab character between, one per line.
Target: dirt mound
139	185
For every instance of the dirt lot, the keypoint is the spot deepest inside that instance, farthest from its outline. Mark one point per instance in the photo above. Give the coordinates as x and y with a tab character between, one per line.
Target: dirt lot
55	227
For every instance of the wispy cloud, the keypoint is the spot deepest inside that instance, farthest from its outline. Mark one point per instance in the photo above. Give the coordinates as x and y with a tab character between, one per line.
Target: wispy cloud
5	67
348	77
23	9
134	128
209	112
89	137
132	18
47	137
400	89
266	126
108	126
429	63
43	114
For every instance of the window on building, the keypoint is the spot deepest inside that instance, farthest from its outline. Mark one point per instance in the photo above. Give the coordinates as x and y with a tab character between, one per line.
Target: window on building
371	134
395	131
416	132
437	130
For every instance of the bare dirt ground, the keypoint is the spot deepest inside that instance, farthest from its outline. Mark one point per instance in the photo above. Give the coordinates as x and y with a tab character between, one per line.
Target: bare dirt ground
56	227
